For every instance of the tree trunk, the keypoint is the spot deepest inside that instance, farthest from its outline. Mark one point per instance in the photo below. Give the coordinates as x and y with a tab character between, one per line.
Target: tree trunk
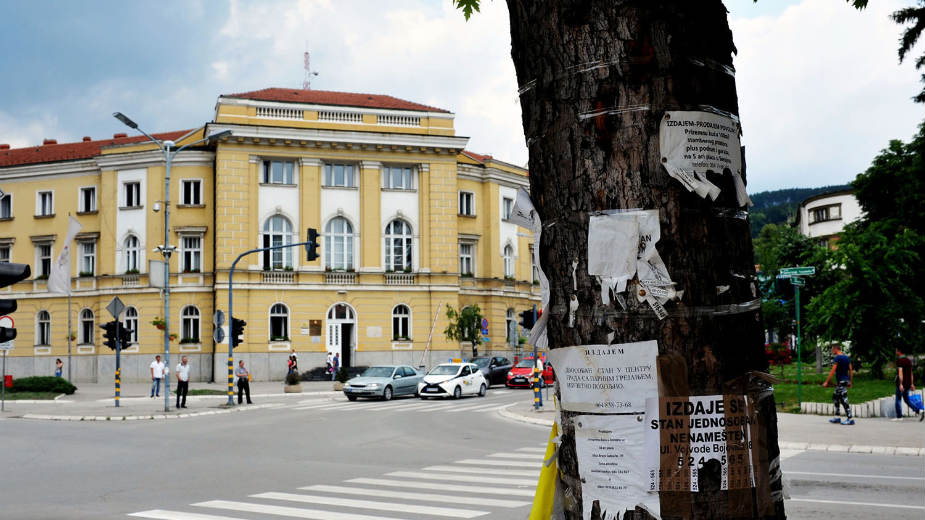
596	77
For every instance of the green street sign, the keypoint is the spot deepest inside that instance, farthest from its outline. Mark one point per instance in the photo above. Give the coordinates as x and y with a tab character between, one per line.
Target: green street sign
798	271
798	281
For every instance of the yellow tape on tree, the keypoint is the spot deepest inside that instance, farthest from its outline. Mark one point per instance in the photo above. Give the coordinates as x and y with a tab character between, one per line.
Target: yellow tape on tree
546	486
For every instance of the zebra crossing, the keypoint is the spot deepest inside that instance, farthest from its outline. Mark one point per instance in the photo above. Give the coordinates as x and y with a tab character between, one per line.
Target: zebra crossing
490	403
499	486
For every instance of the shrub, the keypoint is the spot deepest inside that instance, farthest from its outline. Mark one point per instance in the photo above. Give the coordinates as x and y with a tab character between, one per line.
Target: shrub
342	375
57	385
292	378
778	354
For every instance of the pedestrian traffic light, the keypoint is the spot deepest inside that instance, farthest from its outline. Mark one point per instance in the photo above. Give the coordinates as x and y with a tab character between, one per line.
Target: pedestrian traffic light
311	248
125	335
237	331
109	336
10	274
526	319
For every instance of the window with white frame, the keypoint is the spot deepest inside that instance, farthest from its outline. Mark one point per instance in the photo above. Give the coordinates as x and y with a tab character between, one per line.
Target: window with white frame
467	203
5	252
132	194
401	323
278	172
45	204
339	175
277	231
131	252
279	322
43	260
191	192
398	240
507	208
87	202
511	327
6	206
508	261
130	323
192	254
86	327
534	271
189	325
43	328
398	178
338	244
466	267
87	258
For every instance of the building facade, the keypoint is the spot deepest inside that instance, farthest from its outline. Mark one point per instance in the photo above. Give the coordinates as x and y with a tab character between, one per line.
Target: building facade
410	223
825	215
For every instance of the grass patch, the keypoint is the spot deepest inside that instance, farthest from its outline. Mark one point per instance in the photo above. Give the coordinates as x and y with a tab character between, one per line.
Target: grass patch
17	396
865	387
204	391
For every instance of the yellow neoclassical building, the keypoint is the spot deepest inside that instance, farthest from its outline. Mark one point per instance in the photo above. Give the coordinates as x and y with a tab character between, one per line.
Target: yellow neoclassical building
410	223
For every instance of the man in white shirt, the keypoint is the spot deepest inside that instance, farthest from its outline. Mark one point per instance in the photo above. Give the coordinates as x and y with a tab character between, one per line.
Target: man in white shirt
182	381
157	373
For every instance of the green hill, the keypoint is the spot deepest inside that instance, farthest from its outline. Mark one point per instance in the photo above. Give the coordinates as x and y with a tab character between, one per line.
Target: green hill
779	206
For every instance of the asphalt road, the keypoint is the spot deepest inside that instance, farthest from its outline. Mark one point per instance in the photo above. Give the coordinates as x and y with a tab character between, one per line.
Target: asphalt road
324	458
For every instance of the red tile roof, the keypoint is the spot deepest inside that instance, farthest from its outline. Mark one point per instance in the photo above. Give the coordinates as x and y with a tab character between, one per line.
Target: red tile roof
476	156
72	151
325	97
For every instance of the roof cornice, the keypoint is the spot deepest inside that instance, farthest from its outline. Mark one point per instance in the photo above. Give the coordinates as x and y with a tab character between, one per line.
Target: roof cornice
222	100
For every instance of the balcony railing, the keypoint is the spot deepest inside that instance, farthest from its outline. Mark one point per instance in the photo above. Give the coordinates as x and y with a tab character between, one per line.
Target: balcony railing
399	278
130	280
340	278
283	277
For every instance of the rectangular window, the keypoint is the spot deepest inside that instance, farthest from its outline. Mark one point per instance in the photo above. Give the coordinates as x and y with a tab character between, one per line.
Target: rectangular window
397	178
507	208
192	254
87	258
465	259
466	203
44	254
87	202
278	172
4	253
534	272
132	194
46	204
338	175
191	192
6	206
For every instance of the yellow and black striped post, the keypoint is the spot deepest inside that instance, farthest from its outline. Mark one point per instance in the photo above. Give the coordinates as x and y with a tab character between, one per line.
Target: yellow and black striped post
537	395
118	385
230	377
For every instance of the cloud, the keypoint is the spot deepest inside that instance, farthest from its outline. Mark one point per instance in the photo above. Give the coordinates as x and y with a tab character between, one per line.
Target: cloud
28	131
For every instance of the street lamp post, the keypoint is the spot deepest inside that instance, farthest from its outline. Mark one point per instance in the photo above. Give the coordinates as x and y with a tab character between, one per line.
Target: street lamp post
170	151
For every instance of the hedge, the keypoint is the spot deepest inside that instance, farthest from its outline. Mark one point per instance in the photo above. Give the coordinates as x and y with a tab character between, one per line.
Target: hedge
57	385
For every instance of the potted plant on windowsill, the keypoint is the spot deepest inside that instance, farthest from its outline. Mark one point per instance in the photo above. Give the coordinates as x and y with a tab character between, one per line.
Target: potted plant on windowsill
275	339
131	271
86	274
159	323
293	385
190	271
188	341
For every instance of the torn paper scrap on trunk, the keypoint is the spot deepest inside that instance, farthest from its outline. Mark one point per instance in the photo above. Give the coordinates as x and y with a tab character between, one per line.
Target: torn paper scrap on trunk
613	242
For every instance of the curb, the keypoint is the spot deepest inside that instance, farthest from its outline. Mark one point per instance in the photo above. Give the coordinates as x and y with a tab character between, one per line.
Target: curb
504	412
151	417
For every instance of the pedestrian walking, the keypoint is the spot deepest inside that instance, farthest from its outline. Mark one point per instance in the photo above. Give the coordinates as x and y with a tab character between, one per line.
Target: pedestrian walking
329	360
244	386
59	367
157	373
182	381
844	379
905	384
293	361
335	364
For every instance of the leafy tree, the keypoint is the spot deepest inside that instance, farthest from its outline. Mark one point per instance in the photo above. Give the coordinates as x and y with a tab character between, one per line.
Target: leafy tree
465	325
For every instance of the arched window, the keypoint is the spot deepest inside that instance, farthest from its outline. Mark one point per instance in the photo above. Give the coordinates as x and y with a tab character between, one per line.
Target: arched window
508	261
86	327
279	322
401	323
189	322
277	231
43	328
130	322
131	253
340	312
338	244
398	246
511	322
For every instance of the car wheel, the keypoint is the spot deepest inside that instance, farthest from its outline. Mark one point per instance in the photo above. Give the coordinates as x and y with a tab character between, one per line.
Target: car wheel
351	398
483	390
387	394
457	392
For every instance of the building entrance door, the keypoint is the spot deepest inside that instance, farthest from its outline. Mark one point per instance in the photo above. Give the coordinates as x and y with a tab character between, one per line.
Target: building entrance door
341	332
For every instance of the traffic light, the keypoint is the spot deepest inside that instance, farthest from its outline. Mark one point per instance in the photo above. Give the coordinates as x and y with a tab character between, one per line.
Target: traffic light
526	319
10	274
237	331
125	336
311	248
109	336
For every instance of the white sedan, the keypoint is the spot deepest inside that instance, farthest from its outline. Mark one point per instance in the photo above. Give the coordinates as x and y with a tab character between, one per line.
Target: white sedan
453	379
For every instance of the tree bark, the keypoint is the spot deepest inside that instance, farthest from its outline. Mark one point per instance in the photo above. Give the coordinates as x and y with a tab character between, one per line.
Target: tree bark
596	77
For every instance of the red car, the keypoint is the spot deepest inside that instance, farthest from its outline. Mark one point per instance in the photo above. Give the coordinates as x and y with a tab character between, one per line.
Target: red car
519	376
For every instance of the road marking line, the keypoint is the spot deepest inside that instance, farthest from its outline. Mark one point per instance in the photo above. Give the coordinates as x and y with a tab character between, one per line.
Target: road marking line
493	471
406	407
840	502
445	487
435	407
512	463
849	475
532	450
479	479
424	497
530	456
371	504
490	408
161	514
315	406
313	514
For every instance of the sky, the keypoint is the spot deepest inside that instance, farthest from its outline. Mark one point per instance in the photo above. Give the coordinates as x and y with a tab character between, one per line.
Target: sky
820	88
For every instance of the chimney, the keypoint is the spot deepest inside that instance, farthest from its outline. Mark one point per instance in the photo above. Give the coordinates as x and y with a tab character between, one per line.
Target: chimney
87	139
49	141
120	134
4	146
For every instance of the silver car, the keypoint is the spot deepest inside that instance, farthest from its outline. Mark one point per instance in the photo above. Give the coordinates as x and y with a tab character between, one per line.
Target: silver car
383	382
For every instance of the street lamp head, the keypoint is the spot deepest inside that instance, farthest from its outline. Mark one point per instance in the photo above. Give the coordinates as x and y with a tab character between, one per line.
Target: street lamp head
169	144
125	120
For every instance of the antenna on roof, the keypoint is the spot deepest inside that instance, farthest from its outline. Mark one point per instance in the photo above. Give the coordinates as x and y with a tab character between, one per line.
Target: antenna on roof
307	79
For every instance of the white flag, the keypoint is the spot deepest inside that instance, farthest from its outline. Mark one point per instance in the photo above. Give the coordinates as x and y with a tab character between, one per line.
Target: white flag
59	280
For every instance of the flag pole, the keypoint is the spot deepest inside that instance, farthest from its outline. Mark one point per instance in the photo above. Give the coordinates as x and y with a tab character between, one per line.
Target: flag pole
69	337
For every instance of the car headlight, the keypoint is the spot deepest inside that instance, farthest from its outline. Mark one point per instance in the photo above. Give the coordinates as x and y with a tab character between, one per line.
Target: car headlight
510	375
346	385
375	385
